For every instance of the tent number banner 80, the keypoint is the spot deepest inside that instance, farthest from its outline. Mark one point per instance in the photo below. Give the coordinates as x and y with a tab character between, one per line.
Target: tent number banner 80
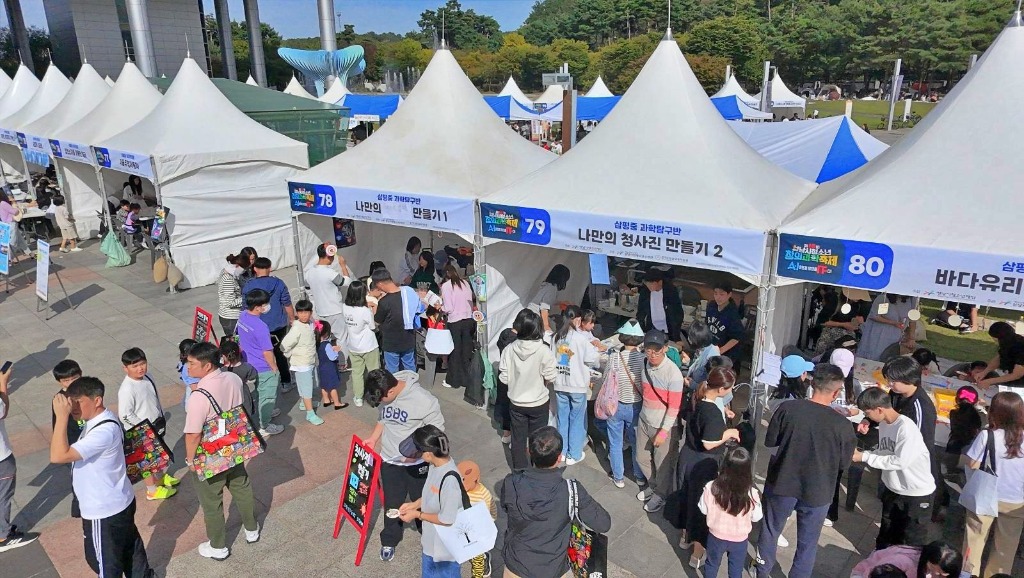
131	163
982	279
70	151
689	245
388	207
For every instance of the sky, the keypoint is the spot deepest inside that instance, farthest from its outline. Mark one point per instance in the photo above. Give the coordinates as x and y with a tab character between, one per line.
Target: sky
298	18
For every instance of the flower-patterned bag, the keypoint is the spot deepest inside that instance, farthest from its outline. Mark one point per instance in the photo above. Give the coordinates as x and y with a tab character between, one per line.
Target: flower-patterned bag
229	438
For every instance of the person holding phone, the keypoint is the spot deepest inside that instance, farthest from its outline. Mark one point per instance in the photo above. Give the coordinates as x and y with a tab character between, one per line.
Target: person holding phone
10	536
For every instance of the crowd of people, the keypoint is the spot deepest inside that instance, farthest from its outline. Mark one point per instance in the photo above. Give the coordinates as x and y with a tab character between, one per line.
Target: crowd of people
663	398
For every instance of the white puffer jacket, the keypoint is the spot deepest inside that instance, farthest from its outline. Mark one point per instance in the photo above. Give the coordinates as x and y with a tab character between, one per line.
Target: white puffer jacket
299	344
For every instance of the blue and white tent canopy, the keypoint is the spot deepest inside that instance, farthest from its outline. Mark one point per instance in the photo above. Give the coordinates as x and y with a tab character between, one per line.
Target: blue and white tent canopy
371	107
732	107
817	150
508	108
587	108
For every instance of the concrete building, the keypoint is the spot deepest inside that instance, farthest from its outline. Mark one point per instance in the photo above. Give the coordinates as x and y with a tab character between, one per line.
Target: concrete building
156	34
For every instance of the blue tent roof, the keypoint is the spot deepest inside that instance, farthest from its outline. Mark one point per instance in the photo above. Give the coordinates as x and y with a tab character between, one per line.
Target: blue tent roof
732	108
509	108
371	107
595	107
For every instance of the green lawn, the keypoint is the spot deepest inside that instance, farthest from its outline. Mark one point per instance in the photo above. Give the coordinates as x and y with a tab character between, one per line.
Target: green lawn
865	111
951	344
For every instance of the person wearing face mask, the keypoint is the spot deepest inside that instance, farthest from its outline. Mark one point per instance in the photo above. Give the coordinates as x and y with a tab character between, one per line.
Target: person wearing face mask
703	444
936	560
229	294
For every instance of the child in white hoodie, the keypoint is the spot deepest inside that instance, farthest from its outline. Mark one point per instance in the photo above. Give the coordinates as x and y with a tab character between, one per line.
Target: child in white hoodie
906	472
573	352
527	366
299	346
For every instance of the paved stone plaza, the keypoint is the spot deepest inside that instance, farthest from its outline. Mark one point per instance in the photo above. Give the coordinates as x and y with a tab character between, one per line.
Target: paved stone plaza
297	481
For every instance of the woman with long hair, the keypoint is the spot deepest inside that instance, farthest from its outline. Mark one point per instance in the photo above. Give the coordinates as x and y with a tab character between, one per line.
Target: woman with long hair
1009	358
457	303
886	325
703	444
702	342
931	561
574	355
410	261
546	296
732	505
229	294
247	258
1006	433
527	366
425	272
362	346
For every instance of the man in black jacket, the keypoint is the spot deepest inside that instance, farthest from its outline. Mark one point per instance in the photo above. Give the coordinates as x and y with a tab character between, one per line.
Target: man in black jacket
536	501
659	306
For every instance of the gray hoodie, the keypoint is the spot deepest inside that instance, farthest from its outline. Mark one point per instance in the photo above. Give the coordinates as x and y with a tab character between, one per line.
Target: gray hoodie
525	366
413	408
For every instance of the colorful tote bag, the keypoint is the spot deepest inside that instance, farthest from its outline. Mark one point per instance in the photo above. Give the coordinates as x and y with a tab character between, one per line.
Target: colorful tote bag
588	550
229	438
145	451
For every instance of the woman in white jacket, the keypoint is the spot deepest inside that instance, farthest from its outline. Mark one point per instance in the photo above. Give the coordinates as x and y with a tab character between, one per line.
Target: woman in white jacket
299	346
574	355
527	366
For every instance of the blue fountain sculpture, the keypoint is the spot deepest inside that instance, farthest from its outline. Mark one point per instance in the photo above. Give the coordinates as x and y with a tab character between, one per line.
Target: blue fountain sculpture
319	64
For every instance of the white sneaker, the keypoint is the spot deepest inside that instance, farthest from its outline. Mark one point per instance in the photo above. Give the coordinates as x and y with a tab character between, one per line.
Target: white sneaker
572	462
254	536
208	551
271	429
446	384
506	439
275	413
783	542
76	249
829	523
654	504
358	401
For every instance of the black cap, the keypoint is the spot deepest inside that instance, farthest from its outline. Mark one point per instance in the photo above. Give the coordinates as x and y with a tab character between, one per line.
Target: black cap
655	338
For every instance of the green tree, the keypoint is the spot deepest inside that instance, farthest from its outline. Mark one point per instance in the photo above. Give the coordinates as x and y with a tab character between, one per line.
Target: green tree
38	45
461	28
404	54
278	71
737	38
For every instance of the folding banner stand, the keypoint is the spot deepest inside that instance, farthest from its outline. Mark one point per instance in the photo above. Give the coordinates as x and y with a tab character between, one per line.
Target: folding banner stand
42	280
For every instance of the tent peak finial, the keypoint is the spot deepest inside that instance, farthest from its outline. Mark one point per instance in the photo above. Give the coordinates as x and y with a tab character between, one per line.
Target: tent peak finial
1016	21
668	33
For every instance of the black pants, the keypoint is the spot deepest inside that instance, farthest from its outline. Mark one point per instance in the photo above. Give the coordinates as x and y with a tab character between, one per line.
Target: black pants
228	325
113	546
282	361
502	405
401	484
905	520
833	510
525	421
458	362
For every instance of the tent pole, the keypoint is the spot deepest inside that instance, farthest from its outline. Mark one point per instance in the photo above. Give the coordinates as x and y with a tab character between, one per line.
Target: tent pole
765	312
103	198
298	254
160	203
480	268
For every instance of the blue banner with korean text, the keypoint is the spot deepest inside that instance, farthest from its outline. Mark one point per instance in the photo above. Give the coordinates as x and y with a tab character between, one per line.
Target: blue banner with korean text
433	213
982	279
698	246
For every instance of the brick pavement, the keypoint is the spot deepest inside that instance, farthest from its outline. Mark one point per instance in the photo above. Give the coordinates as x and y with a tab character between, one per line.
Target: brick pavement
298	479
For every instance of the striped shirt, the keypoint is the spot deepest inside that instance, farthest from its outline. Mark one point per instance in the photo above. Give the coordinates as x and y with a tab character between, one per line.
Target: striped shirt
629	369
229	296
663	394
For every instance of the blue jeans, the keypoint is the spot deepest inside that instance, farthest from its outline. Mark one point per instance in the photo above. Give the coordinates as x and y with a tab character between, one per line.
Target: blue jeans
717	549
809	520
431	569
396	360
622	427
572	422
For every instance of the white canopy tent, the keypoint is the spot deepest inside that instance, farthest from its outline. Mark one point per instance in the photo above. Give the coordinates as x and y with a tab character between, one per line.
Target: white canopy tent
512	89
88	90
216	170
335	93
910	243
784	101
5	82
422	171
251	81
732	88
51	90
110	81
132	98
695	194
14	99
599	89
296	89
551	95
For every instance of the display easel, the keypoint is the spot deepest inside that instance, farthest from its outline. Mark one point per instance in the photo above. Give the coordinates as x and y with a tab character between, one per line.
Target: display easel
43	281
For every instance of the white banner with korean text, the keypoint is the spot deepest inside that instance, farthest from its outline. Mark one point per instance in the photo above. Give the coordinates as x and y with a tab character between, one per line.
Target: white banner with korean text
699	246
982	279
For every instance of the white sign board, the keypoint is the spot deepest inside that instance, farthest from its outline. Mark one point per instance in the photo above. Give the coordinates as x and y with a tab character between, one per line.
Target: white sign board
71	151
126	162
42	269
